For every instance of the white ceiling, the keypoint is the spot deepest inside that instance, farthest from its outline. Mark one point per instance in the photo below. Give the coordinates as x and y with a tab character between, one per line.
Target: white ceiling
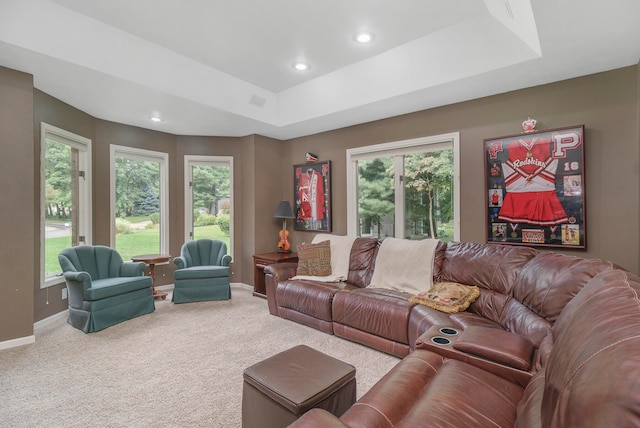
223	67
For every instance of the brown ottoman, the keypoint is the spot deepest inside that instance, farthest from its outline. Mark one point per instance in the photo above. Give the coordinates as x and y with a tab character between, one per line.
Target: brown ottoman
278	390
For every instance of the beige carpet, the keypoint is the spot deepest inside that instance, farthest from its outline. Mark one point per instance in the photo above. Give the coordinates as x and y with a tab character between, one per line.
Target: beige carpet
180	366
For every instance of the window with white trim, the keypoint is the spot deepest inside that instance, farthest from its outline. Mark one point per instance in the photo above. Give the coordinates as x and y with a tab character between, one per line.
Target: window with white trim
65	190
406	189
208	198
139	189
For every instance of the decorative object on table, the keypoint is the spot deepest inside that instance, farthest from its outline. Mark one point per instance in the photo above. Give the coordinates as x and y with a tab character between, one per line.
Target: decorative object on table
310	157
284	212
535	188
203	272
529	125
312	194
103	289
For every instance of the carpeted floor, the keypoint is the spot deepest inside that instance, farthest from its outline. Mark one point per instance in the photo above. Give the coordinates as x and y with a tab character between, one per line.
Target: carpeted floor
180	366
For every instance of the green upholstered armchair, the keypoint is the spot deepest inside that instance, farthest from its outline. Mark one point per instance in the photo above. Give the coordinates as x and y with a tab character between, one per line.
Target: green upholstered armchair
203	272
103	290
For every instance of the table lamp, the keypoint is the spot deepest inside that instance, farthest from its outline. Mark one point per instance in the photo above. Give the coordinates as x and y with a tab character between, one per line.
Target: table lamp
284	212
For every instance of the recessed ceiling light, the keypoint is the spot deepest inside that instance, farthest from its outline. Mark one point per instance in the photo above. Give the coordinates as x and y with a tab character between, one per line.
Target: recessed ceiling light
363	37
301	66
155	119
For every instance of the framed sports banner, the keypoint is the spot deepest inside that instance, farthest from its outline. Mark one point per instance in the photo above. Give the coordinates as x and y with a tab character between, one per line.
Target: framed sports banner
535	188
312	196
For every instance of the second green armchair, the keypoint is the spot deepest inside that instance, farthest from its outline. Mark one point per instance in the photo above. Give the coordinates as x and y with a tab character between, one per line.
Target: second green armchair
203	272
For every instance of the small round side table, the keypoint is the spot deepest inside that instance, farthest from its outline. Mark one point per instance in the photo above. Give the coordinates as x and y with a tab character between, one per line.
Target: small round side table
152	260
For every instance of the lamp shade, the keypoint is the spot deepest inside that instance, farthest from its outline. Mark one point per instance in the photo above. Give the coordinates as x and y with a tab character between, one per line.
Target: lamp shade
284	210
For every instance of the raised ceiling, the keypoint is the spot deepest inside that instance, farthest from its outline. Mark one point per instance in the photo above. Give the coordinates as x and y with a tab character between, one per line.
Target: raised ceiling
223	67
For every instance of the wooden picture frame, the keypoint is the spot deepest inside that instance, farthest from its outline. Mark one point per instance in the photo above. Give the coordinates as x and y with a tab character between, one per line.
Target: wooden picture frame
312	196
535	188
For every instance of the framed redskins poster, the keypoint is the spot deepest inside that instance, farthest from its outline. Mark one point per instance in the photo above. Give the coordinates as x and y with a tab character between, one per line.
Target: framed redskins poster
312	196
535	188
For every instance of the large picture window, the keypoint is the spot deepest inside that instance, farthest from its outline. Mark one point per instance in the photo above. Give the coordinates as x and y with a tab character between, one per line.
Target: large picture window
139	201
65	197
405	189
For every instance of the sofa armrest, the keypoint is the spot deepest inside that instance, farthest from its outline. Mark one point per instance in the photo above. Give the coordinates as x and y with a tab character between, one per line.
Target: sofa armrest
78	277
132	268
226	260
318	418
180	261
77	284
281	271
497	351
273	274
496	345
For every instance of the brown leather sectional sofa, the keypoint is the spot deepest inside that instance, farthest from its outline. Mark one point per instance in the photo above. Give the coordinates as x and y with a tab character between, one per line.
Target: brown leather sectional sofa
553	340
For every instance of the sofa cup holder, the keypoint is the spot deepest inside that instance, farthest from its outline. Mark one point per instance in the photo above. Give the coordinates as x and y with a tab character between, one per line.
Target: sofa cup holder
439	340
448	331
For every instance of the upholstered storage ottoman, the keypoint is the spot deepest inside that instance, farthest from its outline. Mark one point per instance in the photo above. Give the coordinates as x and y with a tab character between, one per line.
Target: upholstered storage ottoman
278	390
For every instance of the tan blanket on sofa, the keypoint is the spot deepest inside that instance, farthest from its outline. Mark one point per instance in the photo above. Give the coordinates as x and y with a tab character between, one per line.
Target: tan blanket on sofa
340	256
405	265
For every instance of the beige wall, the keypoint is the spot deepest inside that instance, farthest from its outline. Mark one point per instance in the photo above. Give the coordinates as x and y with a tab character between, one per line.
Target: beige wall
637	192
608	104
17	214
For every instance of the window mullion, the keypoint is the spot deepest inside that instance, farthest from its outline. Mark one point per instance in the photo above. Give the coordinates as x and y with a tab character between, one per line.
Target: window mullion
399	196
75	196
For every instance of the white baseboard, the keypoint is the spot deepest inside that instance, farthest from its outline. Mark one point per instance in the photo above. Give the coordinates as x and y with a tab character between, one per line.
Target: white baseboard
12	343
63	314
242	285
27	340
169	287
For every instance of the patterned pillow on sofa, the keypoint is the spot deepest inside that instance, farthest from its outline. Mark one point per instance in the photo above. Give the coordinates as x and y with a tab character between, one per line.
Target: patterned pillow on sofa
314	259
449	297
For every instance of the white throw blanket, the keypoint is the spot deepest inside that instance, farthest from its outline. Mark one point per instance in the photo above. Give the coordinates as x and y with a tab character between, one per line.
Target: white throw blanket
405	265
340	256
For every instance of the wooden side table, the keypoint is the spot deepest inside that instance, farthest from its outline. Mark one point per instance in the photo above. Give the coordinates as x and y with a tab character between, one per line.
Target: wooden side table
152	260
260	261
